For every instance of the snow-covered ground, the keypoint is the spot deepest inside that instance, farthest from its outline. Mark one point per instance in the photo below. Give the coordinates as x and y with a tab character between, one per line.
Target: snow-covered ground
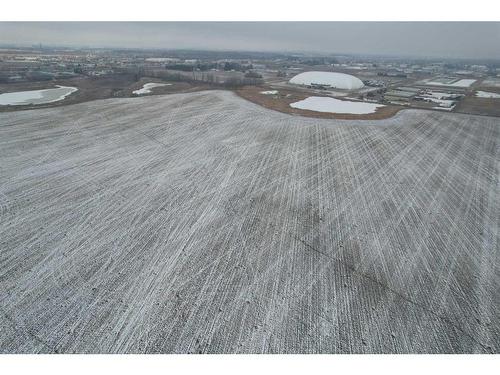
270	92
444	108
460	83
146	89
486	94
36	96
215	231
493	82
322	104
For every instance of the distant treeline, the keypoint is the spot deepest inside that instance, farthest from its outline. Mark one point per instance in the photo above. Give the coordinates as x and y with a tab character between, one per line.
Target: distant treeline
227	66
319	61
190	67
212	79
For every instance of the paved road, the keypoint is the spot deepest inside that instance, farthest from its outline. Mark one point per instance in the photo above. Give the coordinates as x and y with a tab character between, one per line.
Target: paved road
204	223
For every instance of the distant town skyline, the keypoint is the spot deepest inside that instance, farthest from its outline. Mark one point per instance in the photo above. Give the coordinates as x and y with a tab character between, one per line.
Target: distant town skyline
416	39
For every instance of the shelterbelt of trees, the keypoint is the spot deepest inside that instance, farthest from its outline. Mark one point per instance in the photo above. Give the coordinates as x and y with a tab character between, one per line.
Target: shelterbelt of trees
227	66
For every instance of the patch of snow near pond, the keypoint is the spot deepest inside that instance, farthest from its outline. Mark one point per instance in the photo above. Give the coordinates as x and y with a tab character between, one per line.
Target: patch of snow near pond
36	96
270	92
486	94
332	105
146	89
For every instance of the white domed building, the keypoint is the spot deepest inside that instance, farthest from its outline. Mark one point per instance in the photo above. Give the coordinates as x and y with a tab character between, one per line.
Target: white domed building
327	79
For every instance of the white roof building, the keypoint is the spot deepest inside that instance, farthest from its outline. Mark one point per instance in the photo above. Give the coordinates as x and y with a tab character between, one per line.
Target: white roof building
331	79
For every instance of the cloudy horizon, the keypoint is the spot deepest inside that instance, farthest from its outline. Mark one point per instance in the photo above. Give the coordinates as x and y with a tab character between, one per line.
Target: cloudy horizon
415	39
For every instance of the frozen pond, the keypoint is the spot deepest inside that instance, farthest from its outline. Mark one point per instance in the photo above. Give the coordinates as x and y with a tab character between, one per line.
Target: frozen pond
146	89
36	96
322	104
486	94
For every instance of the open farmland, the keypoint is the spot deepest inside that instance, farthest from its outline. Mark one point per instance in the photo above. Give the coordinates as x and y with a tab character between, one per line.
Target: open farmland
204	223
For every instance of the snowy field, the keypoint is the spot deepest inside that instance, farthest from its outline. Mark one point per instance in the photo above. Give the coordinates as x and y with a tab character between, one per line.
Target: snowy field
492	82
204	223
36	96
460	83
332	105
486	94
148	87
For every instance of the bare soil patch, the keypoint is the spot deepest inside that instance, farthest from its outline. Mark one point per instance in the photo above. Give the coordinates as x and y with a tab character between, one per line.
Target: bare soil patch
480	106
282	103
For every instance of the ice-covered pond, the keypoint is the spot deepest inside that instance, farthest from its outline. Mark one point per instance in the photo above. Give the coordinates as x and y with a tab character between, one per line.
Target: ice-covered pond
36	96
332	105
146	89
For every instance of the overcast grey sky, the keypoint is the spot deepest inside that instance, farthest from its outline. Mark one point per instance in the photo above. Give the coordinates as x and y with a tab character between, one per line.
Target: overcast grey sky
421	39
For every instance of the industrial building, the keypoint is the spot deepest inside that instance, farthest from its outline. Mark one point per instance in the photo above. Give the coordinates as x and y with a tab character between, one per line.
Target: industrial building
399	95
